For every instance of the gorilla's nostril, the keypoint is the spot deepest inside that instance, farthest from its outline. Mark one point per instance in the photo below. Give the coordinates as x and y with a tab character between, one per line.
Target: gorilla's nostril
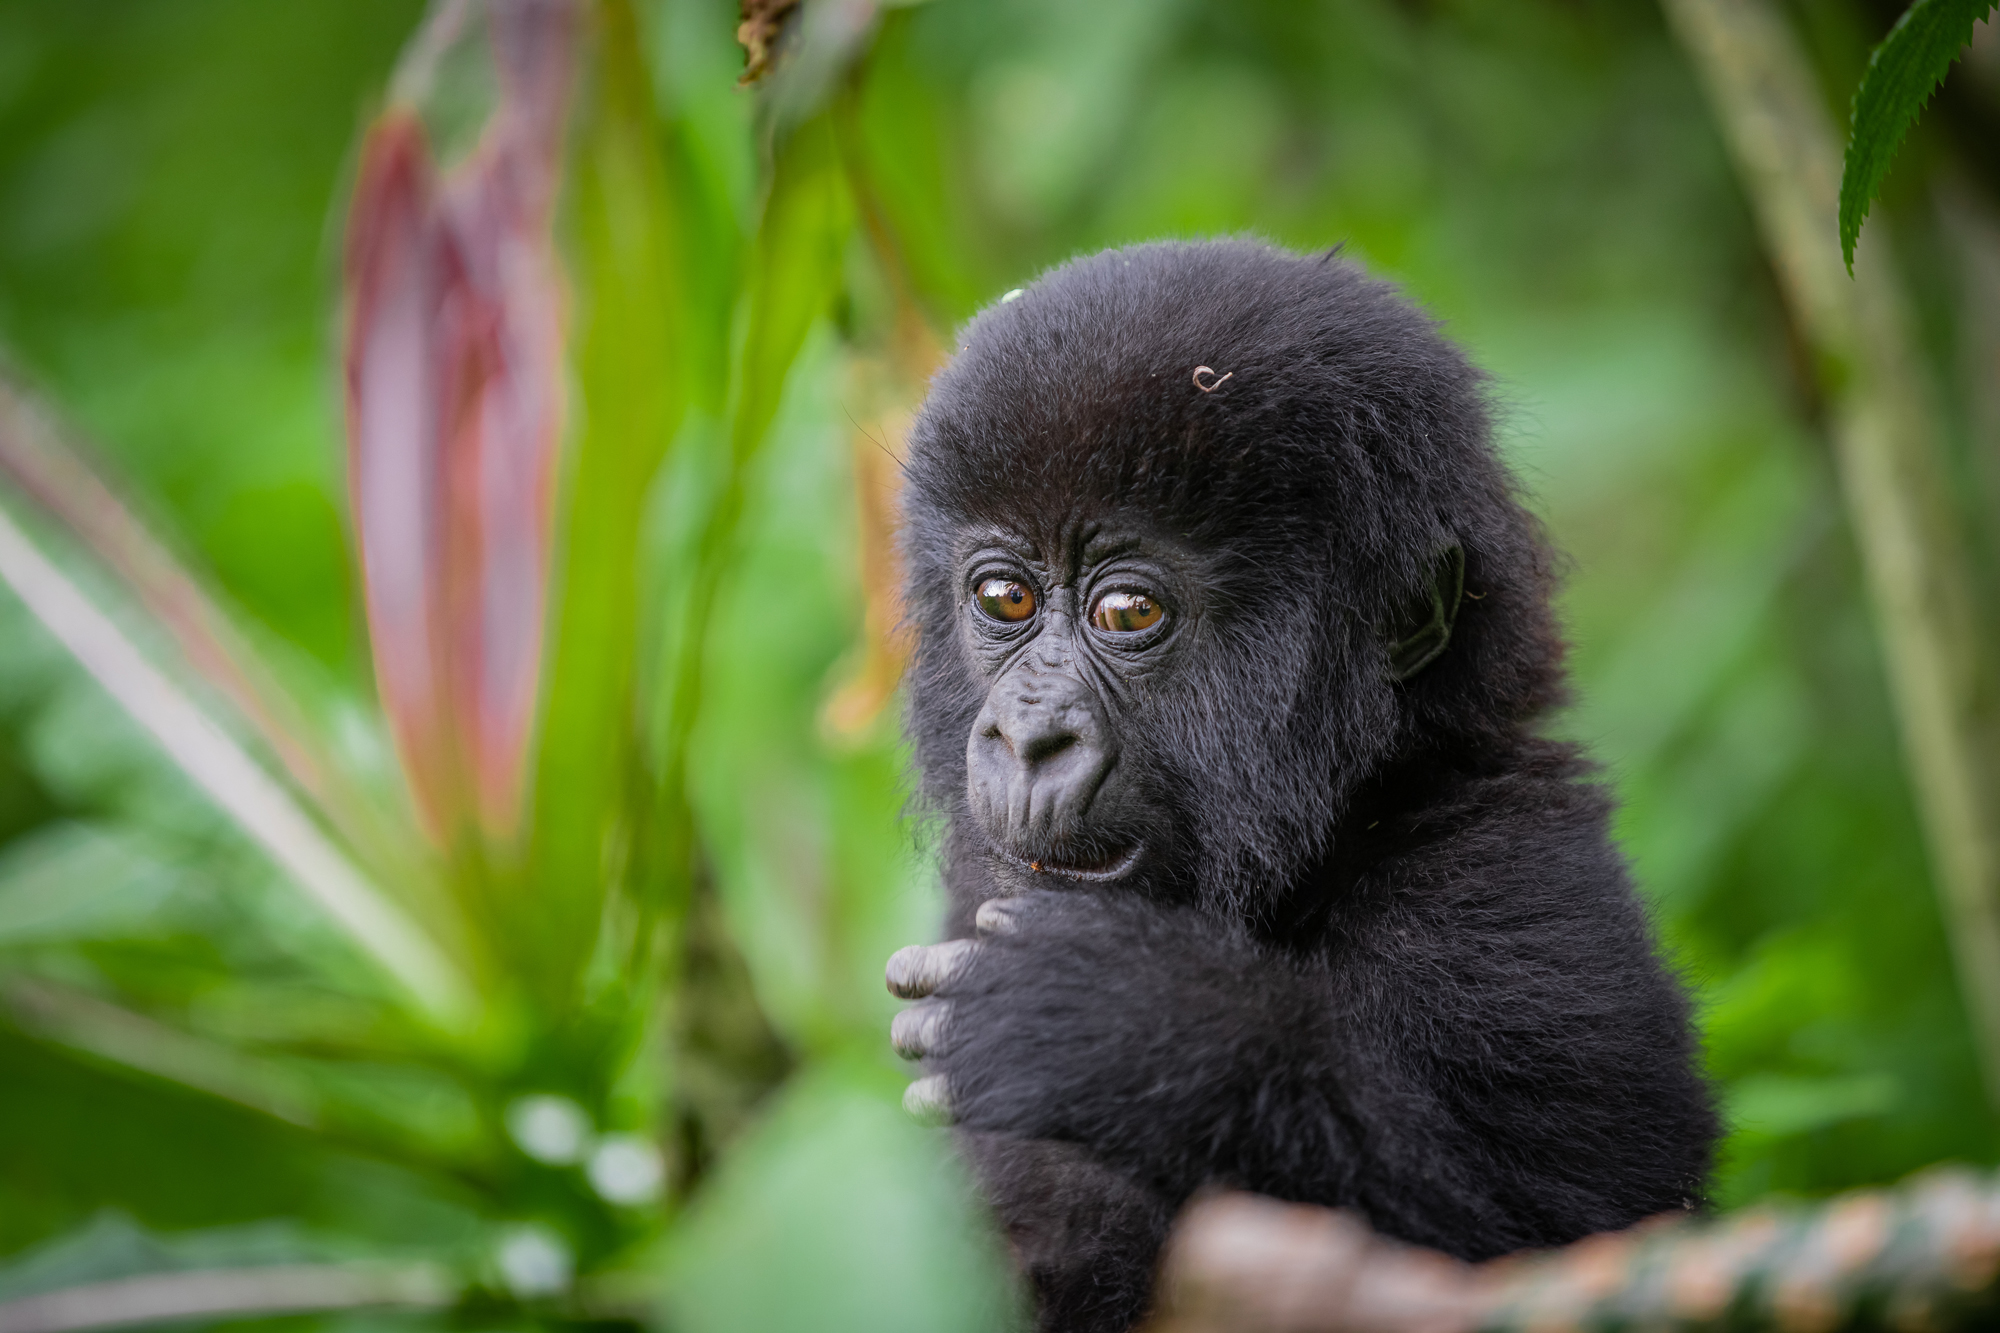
1048	747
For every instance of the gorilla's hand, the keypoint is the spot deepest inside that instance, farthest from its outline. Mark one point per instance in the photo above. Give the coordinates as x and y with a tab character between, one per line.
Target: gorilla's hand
916	973
1102	1018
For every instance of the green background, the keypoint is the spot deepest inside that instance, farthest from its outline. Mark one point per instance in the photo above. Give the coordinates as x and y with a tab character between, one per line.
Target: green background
1544	177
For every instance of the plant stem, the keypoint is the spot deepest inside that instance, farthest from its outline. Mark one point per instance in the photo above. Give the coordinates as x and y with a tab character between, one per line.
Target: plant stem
1884	438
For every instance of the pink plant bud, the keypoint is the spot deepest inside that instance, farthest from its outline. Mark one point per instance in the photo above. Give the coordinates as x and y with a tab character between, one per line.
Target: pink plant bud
454	365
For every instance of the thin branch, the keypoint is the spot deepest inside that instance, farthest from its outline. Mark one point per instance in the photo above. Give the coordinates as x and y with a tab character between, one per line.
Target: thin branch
224	1293
216	764
1922	1255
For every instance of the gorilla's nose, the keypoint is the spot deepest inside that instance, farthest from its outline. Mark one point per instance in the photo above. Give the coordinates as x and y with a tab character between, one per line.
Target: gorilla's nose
1037	755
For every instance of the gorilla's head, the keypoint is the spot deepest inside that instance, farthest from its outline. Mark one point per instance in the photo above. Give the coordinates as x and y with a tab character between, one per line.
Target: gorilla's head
1187	528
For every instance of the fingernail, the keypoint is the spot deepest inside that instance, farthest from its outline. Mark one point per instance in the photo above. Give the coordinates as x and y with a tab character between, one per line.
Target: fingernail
918	1031
919	969
996	917
929	1100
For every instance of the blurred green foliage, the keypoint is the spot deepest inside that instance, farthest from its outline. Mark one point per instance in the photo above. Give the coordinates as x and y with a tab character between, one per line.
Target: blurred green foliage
1544	176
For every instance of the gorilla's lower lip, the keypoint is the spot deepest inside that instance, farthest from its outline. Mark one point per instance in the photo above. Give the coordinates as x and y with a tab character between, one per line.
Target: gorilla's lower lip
1113	867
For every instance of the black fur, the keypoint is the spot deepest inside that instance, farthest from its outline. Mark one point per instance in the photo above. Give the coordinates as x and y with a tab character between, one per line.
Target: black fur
1391	960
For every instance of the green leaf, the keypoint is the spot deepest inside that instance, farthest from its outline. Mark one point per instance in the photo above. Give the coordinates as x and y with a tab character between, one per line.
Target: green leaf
795	270
78	1135
111	1245
837	1213
628	368
39	456
240	787
68	881
1905	69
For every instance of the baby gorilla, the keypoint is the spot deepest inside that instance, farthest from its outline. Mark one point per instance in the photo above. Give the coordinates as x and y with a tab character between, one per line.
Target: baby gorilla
1234	650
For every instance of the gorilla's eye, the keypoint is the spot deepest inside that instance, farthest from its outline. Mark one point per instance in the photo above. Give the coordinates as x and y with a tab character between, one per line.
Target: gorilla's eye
1125	612
1005	599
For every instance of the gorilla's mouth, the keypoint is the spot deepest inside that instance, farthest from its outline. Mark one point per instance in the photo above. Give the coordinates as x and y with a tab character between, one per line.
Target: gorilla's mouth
1115	866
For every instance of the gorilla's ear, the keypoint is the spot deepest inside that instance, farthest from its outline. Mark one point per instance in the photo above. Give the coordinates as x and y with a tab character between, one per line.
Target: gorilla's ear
1424	628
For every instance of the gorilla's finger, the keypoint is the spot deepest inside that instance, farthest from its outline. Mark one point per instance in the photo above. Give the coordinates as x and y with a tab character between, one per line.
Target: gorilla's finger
918	970
919	1030
929	1100
997	916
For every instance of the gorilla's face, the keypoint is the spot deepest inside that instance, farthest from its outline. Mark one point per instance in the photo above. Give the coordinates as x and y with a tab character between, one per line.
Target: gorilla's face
1168	622
1068	635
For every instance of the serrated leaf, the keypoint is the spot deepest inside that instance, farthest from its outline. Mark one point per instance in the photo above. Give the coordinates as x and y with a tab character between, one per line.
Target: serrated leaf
1903	72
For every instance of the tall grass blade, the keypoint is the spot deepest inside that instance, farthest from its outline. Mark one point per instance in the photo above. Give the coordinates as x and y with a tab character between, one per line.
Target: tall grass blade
108	1032
896	382
589	787
216	764
35	457
795	269
227	1293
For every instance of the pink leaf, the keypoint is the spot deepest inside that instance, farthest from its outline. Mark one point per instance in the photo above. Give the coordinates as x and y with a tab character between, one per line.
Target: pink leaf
454	387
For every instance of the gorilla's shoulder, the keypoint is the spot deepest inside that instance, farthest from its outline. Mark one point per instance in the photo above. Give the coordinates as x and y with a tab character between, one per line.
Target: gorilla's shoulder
1522	828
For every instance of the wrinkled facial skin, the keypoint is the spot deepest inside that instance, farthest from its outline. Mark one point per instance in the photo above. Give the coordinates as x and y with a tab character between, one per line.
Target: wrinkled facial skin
1069	639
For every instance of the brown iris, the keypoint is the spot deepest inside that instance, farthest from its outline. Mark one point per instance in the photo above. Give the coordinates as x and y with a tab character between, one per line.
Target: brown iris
1006	599
1125	612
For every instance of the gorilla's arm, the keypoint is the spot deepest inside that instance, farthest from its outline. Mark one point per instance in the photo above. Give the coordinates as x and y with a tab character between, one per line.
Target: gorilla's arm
1477	1046
1518	1055
1085	1235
